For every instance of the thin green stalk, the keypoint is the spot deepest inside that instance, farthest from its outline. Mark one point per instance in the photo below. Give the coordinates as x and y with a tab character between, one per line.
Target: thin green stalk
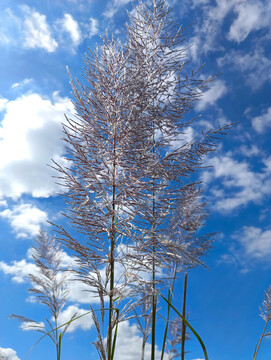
154	297
190	327
261	338
56	338
183	323
112	262
167	321
153	309
154	300
109	339
59	346
115	335
59	327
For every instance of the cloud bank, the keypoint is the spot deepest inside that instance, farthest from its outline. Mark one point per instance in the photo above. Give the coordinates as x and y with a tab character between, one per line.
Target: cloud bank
30	136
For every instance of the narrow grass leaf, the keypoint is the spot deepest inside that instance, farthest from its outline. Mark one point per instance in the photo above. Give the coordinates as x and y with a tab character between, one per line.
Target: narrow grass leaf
167	321
190	327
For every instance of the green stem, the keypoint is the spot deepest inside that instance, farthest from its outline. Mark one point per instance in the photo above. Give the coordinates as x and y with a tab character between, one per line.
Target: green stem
154	297
109	343
261	338
112	260
59	346
56	337
183	323
190	327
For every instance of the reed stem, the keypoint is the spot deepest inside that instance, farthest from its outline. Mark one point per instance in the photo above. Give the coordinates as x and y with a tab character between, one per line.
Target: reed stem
183	323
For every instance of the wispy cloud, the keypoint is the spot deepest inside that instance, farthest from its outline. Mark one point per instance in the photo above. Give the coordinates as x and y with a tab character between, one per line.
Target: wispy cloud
238	184
25	219
30	326
30	29
113	7
209	98
255	241
249	151
37	33
251	245
21	83
69	25
263	121
78	291
254	65
19	270
92	27
250	16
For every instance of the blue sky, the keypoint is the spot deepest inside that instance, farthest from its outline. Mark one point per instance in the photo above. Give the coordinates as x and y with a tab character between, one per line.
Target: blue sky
232	37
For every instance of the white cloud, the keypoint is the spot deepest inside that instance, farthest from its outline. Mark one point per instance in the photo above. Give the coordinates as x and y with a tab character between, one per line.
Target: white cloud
207	30
30	136
25	219
253	150
210	97
84	322
252	65
260	123
30	326
21	83
19	270
93	27
8	353
183	139
3	203
128	346
79	292
31	30
251	16
113	7
251	246
238	184
69	25
37	33
3	103
4	39
255	242
10	27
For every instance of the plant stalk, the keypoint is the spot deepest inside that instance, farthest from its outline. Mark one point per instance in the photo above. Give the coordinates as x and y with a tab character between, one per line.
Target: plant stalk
261	338
112	260
183	323
154	297
170	294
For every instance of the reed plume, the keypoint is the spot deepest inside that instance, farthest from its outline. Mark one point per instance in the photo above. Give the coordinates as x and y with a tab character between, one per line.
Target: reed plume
50	287
131	190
